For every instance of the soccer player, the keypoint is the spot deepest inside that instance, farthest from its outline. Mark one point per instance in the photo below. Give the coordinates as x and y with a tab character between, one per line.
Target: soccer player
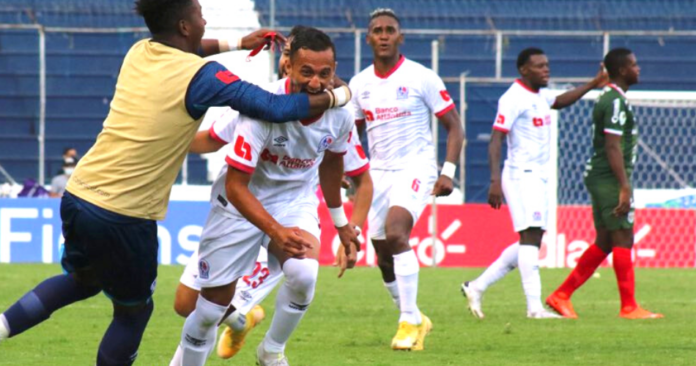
254	288
121	186
267	197
394	99
608	179
524	118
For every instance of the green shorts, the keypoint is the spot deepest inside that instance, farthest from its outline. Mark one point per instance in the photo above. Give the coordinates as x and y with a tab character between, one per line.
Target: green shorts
605	198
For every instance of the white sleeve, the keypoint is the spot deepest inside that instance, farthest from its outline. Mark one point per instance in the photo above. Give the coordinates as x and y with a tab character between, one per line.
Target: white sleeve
548	96
340	145
222	128
435	94
507	114
249	138
355	161
357	111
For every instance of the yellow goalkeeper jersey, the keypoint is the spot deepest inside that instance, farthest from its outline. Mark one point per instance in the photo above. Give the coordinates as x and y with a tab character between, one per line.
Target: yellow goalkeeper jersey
133	164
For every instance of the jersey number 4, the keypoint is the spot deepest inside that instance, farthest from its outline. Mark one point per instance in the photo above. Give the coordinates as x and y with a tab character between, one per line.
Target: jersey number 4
242	148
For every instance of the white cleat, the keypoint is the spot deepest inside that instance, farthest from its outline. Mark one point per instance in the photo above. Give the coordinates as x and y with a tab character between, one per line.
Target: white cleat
264	358
474	298
542	314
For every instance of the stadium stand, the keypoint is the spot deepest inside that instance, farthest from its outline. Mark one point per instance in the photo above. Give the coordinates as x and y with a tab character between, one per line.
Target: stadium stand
82	68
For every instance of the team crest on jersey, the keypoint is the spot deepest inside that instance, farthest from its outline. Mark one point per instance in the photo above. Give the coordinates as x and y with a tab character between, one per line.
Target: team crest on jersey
203	269
402	92
325	142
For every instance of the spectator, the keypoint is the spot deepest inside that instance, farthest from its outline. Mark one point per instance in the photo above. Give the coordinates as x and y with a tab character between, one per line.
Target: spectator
70	153
59	181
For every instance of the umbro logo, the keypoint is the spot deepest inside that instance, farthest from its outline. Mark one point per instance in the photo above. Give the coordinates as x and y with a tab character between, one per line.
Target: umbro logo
280	141
365	94
195	341
297	306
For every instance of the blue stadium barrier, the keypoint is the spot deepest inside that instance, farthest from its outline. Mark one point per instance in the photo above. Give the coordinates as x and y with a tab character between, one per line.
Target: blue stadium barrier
30	230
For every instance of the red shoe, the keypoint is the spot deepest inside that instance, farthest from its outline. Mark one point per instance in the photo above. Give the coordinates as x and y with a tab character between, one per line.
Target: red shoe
639	313
562	306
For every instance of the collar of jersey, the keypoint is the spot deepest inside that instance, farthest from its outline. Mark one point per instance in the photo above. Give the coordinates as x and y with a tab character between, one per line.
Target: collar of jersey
306	121
393	70
518	81
618	89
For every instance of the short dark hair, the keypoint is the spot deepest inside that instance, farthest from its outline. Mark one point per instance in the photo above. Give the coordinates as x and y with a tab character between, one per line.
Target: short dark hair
615	60
384	12
296	29
311	39
161	16
526	54
65	150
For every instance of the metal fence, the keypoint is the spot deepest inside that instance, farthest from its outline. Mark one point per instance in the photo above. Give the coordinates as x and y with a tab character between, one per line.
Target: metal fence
500	50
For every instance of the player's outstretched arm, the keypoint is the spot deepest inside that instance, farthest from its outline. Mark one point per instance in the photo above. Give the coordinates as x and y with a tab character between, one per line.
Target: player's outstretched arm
203	143
455	138
330	177
612	145
251	41
237	190
495	193
568	98
215	86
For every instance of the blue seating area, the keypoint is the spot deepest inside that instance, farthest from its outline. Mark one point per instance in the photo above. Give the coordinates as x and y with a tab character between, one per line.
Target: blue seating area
82	68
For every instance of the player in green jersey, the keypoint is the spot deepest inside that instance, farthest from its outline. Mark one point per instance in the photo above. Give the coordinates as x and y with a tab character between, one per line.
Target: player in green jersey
608	179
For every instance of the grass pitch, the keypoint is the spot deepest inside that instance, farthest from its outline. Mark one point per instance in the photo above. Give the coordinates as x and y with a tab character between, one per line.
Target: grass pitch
352	321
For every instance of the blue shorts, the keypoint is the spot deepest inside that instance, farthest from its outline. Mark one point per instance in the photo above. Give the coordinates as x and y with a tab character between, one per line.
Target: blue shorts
121	251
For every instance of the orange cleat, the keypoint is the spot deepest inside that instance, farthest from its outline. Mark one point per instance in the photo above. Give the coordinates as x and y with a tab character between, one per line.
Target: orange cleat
639	313
562	306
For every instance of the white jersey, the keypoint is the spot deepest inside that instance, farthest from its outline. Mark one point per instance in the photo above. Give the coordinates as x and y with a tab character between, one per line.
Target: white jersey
525	116
396	108
355	161
283	158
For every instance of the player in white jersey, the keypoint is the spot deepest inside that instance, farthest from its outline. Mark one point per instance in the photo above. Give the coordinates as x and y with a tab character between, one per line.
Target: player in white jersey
524	119
394	99
254	288
267	198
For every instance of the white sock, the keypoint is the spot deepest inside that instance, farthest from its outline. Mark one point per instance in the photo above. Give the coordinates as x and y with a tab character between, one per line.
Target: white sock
502	266
200	330
178	357
393	289
531	281
4	328
406	269
292	302
236	321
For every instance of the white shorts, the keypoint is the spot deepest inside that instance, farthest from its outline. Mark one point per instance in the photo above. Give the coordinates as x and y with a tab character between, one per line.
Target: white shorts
526	194
229	247
189	277
408	188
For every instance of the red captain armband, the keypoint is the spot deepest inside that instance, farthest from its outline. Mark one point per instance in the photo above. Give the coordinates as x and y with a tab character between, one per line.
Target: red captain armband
269	45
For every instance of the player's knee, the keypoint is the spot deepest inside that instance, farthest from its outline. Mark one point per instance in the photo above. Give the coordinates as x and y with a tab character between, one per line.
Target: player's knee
183	308
142	311
185	300
397	242
301	276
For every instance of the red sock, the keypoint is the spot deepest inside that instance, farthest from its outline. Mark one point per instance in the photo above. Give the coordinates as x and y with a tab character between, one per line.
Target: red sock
625	277
588	263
